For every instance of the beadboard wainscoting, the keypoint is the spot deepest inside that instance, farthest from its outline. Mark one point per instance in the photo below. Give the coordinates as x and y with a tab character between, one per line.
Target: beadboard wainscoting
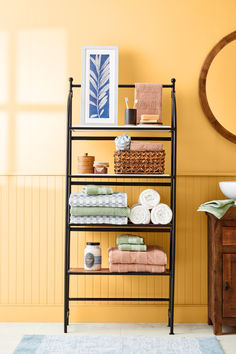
32	256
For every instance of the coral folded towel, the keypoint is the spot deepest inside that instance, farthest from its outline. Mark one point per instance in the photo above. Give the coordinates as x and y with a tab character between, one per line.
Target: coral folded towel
153	255
149	98
145	146
125	268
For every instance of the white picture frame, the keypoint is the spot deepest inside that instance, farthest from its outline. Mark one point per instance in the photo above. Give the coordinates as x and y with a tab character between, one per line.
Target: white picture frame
99	86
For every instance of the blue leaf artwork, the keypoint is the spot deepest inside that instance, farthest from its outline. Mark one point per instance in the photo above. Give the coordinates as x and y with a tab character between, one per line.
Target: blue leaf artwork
99	82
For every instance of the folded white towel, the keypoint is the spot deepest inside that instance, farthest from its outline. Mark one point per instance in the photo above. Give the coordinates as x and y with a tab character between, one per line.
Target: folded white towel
139	214
161	214
149	198
109	200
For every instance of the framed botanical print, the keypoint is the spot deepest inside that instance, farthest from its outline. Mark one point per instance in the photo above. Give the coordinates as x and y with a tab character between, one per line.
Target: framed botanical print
99	86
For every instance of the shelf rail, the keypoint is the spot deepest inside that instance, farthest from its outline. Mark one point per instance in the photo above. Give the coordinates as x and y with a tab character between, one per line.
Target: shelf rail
119	299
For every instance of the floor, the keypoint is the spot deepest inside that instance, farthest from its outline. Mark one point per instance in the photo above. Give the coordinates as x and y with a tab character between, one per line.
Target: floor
11	333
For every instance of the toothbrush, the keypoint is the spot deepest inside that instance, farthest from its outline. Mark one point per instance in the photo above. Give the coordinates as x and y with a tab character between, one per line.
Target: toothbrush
126	101
135	102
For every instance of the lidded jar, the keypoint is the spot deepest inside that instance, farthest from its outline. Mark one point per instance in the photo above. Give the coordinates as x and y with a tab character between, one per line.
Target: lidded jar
100	167
85	163
92	256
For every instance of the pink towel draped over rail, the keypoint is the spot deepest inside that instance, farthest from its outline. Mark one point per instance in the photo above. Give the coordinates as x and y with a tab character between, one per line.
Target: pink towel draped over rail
154	255
149	98
125	268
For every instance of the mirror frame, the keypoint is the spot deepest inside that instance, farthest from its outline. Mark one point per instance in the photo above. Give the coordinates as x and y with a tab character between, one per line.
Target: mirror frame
202	86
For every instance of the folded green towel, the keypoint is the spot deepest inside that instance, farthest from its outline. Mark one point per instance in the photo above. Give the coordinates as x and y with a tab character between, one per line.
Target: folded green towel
96	211
95	190
217	207
131	239
128	247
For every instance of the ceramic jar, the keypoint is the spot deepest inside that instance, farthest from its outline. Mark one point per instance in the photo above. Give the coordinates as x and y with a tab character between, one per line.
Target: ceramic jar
92	256
100	167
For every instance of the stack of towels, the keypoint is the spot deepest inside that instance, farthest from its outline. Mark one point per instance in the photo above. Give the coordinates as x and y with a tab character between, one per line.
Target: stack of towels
99	205
130	243
132	255
149	209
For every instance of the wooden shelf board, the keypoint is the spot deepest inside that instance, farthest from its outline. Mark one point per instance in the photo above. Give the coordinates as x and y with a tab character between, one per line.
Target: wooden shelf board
121	128
105	271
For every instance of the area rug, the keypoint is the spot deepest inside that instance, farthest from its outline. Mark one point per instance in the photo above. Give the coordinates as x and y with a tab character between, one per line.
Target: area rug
70	344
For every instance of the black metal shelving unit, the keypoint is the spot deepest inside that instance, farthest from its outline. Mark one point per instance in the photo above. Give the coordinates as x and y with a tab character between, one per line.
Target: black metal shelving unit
158	180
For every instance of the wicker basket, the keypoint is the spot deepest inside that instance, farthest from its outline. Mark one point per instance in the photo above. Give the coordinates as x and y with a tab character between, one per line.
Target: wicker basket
143	162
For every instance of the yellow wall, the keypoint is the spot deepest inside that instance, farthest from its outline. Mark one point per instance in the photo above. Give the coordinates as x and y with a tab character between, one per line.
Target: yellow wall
40	47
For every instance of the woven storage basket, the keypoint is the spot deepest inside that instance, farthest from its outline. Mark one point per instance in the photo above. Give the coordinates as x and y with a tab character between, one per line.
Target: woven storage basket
143	162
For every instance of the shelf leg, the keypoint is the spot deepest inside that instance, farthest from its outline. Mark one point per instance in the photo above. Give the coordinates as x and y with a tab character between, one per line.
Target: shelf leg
173	206
66	304
67	212
170	267
67	282
169	315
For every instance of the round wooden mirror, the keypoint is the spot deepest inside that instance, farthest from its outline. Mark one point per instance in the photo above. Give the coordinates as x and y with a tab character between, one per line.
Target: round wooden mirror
217	87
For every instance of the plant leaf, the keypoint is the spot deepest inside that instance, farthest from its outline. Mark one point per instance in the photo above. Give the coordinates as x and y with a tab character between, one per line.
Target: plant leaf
103	102
104	80
104	89
99	60
94	116
91	102
101	112
94	63
106	62
92	94
93	83
106	70
104	76
92	73
101	95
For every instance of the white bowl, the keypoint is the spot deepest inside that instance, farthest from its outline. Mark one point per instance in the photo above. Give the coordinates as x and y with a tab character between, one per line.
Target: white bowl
228	188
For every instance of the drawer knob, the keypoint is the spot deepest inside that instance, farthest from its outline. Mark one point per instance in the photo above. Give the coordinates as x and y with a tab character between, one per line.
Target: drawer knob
226	285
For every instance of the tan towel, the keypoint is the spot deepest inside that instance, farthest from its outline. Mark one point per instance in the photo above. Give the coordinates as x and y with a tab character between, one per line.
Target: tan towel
125	268
153	255
149	98
145	146
145	118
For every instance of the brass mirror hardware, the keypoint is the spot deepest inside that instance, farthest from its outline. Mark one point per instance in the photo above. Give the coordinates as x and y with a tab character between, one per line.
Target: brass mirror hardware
202	86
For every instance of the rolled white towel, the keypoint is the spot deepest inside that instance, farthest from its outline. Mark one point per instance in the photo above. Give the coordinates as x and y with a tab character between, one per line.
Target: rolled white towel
161	214
139	214
149	198
122	142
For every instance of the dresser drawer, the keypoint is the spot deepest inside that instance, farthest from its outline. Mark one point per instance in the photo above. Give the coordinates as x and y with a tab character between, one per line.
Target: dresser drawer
229	236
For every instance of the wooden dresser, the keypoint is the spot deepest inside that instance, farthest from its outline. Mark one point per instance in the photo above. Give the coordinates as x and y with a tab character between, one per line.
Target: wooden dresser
222	270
